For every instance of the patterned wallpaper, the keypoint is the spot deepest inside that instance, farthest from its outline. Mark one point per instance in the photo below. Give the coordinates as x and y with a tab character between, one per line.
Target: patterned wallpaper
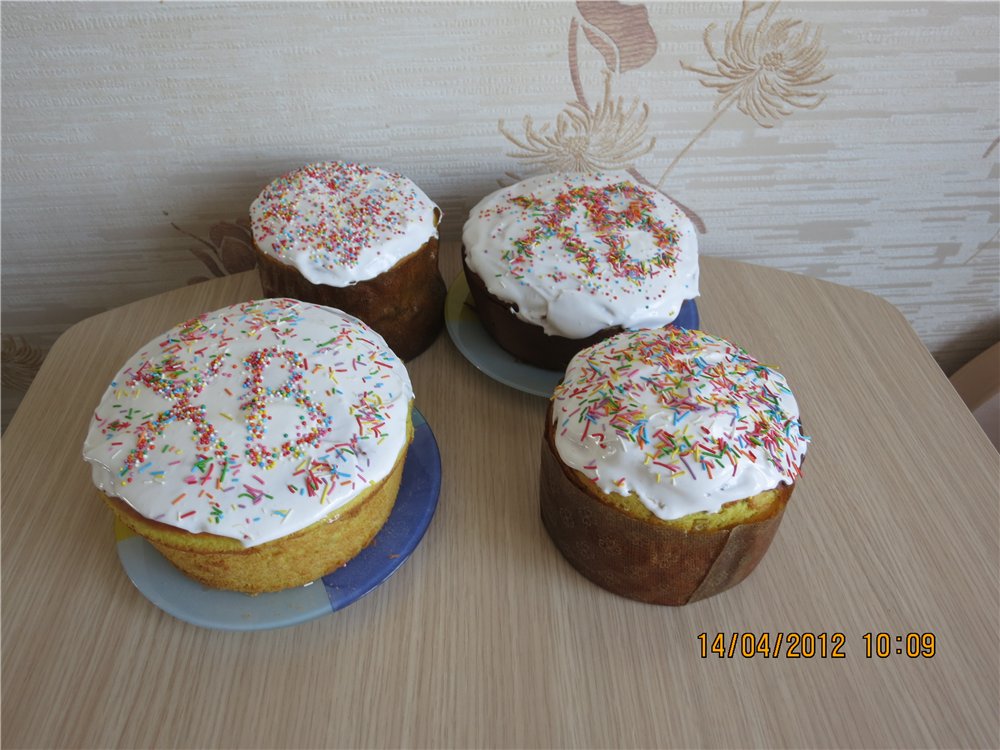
855	142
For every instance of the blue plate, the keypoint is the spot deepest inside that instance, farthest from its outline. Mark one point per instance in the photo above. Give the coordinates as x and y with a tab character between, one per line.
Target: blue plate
477	346
190	601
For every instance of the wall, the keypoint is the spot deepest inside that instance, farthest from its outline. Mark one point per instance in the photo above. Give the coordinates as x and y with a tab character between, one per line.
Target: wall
852	142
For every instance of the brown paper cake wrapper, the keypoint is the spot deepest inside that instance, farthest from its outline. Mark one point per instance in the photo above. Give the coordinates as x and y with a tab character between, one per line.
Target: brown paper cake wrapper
405	304
648	560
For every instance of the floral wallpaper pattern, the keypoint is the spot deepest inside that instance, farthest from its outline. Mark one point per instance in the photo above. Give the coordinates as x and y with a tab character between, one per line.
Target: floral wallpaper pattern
228	249
853	142
767	68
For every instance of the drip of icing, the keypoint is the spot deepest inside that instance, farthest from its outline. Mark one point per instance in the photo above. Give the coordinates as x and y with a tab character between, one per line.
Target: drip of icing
685	420
341	223
576	253
251	422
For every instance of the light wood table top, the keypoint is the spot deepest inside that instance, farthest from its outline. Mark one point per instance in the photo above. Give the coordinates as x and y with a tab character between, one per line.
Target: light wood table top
486	636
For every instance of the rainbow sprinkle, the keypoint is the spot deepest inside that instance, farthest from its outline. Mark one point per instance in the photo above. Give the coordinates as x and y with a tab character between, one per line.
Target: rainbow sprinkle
692	405
284	404
553	221
333	212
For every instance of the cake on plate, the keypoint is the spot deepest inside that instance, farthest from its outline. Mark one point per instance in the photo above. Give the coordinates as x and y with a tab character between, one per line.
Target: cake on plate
558	262
669	457
357	238
257	447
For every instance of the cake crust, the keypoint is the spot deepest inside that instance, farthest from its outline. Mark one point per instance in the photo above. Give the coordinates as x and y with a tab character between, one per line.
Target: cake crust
526	341
404	304
646	558
559	261
310	553
258	446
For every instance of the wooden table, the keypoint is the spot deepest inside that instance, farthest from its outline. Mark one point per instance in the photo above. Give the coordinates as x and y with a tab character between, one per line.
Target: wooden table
486	636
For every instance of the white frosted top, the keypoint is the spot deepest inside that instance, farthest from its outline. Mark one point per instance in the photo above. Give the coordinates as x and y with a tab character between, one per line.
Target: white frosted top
580	252
251	422
341	223
685	420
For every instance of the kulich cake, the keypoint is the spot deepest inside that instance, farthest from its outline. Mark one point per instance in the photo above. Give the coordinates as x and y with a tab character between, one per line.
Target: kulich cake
558	262
668	459
258	447
356	238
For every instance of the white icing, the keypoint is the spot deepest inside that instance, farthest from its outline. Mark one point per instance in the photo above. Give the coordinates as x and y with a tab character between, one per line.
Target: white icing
340	223
619	280
642	412
312	376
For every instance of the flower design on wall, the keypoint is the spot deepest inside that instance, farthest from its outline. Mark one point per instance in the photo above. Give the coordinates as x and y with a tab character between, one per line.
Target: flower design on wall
611	136
767	71
768	68
228	249
620	32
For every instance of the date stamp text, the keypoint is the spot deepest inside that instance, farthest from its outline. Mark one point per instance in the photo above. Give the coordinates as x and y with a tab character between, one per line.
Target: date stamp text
806	645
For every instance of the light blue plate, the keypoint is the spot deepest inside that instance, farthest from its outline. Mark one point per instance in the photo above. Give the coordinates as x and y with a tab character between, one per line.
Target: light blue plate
477	346
190	601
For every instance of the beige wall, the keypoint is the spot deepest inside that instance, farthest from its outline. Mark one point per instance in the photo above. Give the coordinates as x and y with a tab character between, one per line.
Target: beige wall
852	142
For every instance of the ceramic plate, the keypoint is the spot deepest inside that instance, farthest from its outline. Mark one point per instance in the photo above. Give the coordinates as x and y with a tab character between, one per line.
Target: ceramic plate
188	600
477	346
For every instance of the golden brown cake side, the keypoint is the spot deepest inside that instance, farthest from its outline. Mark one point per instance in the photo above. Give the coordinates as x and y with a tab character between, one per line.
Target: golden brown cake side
669	458
258	446
622	547
404	304
357	238
526	341
295	560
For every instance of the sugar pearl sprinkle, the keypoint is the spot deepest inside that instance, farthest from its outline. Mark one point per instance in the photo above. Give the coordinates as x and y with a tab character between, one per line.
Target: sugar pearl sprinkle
251	422
579	252
339	222
686	420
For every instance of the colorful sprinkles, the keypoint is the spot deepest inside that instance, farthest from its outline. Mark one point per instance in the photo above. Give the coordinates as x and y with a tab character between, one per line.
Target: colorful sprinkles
251	419
611	251
668	411
335	217
578	252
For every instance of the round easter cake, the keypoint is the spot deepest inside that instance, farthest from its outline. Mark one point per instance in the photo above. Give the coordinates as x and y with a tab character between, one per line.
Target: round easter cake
357	238
668	460
558	262
257	447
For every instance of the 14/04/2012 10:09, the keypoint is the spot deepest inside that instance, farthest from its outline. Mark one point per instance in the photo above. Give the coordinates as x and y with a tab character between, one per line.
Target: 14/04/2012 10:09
807	645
